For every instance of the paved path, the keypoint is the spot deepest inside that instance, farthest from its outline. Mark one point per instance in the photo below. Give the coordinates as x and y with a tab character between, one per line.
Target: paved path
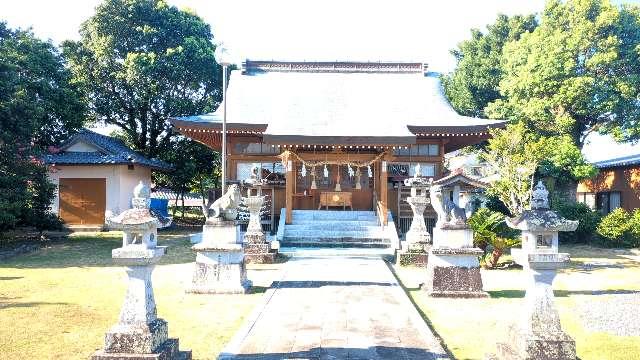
335	308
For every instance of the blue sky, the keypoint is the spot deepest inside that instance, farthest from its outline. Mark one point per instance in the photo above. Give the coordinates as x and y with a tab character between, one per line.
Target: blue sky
370	30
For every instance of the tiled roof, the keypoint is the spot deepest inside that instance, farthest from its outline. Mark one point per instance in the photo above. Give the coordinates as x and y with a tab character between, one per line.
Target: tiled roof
110	151
621	161
352	107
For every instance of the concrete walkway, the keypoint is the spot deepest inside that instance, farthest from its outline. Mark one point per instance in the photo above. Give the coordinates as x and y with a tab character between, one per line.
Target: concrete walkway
335	308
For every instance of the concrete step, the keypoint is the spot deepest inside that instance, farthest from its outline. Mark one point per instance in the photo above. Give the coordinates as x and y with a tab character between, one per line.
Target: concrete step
332	222
302	215
315	243
334	226
385	253
330	234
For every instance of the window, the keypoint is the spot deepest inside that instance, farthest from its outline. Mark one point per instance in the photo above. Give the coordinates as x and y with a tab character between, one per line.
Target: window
608	201
588	199
255	148
409	169
243	170
544	241
419	150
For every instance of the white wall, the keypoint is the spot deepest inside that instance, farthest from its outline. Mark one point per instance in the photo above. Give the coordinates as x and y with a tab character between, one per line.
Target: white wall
128	180
119	183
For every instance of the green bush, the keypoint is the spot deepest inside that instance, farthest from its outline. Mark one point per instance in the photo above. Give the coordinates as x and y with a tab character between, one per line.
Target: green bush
492	235
634	228
588	221
619	228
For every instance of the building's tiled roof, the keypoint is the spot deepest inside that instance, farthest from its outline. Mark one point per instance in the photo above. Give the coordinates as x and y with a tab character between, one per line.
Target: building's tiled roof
617	162
110	151
322	104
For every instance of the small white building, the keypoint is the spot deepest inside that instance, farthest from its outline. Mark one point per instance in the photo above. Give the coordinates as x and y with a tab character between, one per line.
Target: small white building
95	176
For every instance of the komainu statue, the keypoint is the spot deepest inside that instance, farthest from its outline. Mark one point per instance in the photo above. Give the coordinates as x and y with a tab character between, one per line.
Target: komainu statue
448	212
225	208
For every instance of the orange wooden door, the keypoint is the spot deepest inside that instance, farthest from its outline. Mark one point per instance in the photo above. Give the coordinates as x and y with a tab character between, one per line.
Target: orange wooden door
82	201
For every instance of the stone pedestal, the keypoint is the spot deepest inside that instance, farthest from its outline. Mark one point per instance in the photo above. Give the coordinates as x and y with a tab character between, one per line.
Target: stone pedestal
417	239
454	272
453	269
219	231
219	269
256	248
139	333
538	333
219	266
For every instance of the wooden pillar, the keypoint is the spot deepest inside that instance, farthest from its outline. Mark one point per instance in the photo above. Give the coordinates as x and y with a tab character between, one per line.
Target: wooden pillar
289	192
383	191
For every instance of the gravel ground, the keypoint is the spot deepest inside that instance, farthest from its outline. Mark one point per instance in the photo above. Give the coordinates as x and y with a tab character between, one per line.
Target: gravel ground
611	312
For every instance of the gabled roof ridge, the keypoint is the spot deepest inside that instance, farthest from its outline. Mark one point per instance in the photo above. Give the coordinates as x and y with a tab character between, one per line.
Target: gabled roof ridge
112	151
619	161
393	67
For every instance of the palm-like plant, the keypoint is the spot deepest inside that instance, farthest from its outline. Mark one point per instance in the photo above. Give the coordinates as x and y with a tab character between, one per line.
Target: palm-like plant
490	233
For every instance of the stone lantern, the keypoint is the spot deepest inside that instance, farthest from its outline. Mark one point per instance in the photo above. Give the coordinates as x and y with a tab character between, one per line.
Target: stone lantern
220	266
538	334
256	247
139	333
453	269
417	239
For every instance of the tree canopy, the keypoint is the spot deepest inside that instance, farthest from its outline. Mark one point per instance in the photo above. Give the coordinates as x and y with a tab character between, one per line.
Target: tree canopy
474	83
141	62
39	106
576	73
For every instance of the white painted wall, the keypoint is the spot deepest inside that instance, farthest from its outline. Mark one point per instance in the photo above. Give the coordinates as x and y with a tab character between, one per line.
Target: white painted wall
119	183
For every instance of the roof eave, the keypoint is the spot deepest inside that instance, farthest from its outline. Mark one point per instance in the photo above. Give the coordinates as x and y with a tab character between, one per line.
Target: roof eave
338	140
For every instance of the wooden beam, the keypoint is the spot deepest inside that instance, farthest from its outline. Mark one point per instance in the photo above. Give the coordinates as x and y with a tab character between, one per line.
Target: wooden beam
289	192
383	191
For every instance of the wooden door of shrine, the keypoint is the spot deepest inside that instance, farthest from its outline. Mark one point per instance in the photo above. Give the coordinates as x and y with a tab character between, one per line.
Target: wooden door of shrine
82	201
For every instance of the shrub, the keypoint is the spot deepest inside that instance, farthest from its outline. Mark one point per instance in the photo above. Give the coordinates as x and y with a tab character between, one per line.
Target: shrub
491	234
588	221
616	228
634	227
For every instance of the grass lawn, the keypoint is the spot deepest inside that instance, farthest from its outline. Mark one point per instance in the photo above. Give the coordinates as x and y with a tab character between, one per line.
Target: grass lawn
57	303
471	327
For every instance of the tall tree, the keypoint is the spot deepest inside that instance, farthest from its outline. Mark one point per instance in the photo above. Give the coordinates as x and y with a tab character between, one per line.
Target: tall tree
474	82
141	62
576	73
39	106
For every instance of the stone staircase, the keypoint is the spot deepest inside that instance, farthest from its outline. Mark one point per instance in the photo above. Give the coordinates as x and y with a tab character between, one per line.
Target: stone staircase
336	229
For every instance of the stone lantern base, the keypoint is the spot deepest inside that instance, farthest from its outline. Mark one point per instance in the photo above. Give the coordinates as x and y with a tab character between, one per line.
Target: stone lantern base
219	269
168	350
527	345
454	272
257	250
415	254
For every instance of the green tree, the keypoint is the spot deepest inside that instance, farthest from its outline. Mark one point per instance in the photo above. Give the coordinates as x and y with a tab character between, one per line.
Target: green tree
196	168
141	62
474	82
39	106
576	73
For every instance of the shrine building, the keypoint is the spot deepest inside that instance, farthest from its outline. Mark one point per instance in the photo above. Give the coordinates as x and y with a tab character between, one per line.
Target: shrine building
336	135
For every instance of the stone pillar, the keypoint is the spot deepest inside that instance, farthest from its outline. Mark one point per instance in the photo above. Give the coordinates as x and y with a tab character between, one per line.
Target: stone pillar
417	239
256	248
538	333
139	333
219	266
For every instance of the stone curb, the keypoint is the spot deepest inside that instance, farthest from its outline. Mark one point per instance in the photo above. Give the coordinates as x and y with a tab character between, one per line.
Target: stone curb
232	349
416	319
